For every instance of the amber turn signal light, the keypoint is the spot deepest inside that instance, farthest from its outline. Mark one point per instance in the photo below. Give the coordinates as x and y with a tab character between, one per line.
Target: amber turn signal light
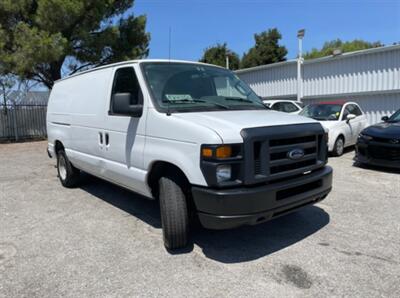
223	152
207	152
220	152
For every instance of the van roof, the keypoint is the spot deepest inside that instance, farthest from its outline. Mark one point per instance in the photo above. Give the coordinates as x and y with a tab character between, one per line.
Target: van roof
132	62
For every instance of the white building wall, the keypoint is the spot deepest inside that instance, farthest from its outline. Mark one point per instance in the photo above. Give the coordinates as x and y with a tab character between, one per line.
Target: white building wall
274	80
370	77
376	71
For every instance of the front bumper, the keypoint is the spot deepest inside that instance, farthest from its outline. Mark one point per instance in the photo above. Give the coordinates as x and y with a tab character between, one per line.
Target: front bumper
230	208
50	150
363	155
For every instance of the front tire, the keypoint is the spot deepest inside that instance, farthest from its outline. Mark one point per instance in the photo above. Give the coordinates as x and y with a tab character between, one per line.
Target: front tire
174	213
67	173
338	148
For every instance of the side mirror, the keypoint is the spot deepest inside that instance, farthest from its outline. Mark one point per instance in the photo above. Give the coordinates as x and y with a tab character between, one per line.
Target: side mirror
350	117
121	105
385	118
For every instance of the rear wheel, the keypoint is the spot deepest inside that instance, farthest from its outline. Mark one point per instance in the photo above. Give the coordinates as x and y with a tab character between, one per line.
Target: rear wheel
174	212
67	173
338	148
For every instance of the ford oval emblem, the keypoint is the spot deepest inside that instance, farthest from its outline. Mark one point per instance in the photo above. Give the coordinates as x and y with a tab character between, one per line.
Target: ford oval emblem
296	154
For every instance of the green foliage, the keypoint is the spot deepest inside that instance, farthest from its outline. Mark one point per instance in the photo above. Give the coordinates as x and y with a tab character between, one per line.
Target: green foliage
266	50
217	55
347	46
39	38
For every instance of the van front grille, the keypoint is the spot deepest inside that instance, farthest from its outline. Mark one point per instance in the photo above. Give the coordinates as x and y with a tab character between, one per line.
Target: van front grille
279	160
269	152
293	166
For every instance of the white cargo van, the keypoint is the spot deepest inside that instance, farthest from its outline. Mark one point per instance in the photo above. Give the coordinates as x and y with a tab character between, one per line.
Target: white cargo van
193	136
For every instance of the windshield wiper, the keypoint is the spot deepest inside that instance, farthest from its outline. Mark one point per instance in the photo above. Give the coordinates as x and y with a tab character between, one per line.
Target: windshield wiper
260	104
320	118
197	100
238	99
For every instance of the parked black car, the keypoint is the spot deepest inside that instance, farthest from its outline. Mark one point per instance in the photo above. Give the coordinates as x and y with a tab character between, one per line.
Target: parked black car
379	144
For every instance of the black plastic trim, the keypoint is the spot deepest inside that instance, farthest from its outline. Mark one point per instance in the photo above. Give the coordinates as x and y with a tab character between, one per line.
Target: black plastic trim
261	135
209	166
249	202
363	145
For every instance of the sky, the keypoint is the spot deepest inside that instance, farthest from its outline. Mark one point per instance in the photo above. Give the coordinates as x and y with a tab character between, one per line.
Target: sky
198	24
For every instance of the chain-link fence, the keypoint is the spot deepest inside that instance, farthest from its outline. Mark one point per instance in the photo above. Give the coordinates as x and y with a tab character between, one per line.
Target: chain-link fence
22	121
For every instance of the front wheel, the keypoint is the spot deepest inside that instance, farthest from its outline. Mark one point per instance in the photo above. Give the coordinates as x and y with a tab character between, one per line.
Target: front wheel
338	148
174	213
67	173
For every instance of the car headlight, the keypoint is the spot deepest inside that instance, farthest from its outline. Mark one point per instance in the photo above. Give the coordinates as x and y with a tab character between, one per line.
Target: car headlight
365	137
223	173
221	164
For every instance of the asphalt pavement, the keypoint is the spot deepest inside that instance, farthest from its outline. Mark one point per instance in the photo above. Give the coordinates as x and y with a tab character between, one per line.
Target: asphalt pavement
98	240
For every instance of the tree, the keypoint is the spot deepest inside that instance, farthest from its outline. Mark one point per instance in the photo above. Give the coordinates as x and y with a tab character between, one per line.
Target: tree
7	82
348	46
39	38
266	49
217	55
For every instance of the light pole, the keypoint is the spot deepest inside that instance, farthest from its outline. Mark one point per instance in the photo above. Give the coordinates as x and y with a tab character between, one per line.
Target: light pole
300	36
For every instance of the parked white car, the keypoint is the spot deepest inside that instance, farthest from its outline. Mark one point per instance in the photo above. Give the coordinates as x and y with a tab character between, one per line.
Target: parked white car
191	135
344	120
283	105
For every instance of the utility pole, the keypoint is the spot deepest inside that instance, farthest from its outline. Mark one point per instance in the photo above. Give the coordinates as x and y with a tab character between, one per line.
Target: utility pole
300	36
169	43
227	61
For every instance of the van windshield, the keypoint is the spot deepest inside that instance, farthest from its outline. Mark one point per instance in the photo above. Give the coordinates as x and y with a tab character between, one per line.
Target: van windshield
185	87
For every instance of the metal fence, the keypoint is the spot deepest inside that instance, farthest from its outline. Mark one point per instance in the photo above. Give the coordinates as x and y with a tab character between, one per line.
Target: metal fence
21	122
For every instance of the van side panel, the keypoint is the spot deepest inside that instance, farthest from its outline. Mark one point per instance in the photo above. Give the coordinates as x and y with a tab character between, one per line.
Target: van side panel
76	117
58	117
174	140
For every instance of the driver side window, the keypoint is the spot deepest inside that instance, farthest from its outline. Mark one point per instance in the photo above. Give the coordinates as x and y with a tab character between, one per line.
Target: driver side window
345	113
289	107
357	111
277	107
351	109
125	81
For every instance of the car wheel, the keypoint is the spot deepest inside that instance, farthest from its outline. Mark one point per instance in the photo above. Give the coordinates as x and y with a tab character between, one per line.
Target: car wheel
67	173
174	213
338	148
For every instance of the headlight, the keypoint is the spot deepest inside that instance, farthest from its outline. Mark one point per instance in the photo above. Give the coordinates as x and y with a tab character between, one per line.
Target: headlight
221	164
224	173
365	137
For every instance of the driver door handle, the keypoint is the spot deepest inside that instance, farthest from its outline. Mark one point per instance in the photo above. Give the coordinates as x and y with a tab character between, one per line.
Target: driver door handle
100	139
107	139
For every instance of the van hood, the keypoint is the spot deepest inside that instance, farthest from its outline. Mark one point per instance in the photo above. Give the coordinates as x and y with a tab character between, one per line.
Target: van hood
228	124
